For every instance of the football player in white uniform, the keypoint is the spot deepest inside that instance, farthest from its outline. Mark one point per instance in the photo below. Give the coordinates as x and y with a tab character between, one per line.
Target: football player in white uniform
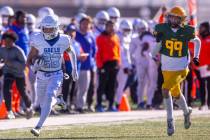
47	49
31	24
101	19
6	13
135	27
125	34
31	79
114	15
141	47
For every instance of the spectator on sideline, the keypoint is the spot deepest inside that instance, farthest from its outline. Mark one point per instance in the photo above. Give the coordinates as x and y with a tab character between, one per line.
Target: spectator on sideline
13	70
108	62
204	32
19	27
86	40
70	87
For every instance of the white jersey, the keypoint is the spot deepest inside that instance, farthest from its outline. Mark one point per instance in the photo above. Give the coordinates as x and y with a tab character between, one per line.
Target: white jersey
135	43
125	53
174	64
52	55
136	49
151	41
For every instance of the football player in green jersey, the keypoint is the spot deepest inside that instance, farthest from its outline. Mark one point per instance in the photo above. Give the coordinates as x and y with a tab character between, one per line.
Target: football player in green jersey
173	37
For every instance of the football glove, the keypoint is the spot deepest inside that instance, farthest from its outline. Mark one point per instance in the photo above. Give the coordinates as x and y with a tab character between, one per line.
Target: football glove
196	61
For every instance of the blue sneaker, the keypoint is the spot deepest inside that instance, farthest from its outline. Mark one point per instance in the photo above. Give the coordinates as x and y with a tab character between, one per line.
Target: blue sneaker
141	106
112	109
99	108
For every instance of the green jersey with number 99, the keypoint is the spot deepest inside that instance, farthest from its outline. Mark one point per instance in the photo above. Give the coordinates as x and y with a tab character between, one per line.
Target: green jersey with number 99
174	44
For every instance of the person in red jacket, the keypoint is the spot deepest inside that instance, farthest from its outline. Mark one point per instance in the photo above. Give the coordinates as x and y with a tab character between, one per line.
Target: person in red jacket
107	61
204	68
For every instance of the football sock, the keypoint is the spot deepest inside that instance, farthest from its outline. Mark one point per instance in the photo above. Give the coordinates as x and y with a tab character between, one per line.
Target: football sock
182	104
45	110
169	107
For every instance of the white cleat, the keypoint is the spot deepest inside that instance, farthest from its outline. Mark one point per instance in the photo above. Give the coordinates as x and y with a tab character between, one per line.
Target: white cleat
187	121
170	127
36	131
10	115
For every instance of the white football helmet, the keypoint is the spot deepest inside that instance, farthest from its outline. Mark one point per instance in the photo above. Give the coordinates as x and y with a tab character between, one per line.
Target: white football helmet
141	26
6	11
100	20
45	11
50	27
126	27
80	16
151	24
135	22
114	14
31	22
31	18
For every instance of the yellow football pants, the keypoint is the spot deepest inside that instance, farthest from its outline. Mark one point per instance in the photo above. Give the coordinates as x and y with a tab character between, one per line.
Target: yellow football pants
172	81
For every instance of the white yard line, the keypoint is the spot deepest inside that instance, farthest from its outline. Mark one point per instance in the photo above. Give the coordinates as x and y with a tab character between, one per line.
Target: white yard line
93	118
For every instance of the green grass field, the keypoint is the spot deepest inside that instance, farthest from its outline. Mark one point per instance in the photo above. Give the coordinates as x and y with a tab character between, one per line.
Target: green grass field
132	130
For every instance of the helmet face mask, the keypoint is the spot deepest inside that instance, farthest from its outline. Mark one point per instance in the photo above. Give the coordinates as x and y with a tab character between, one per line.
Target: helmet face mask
5	20
114	19
126	32
50	27
126	27
174	21
30	26
141	27
141	30
50	32
101	21
101	24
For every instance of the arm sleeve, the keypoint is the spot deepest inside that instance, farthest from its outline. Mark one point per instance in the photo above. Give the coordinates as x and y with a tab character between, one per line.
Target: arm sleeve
132	50
125	55
71	52
197	44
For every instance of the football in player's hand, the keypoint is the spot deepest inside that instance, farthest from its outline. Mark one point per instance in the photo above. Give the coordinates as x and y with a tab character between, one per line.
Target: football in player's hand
37	59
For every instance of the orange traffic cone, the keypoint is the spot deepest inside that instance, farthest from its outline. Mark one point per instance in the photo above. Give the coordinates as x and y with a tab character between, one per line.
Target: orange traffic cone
124	105
3	110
